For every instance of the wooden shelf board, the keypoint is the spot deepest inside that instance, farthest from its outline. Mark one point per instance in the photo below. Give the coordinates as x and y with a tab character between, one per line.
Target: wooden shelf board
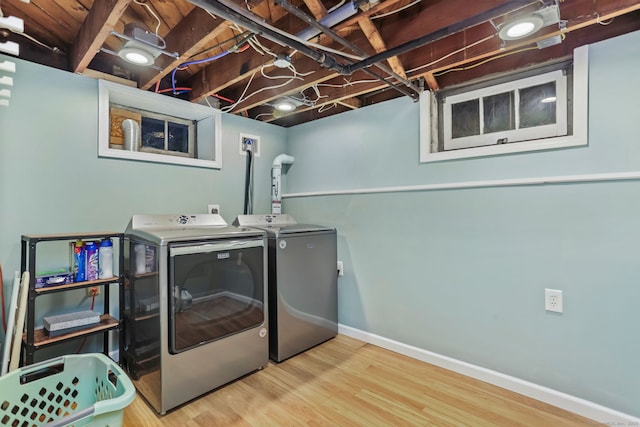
79	285
41	338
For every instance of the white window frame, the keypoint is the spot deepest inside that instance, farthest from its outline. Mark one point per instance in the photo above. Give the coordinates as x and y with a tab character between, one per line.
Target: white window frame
429	123
208	125
559	128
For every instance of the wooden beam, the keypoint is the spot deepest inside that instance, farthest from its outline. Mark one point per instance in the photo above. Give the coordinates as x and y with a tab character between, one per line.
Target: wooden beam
192	34
373	35
432	83
350	103
95	29
316	8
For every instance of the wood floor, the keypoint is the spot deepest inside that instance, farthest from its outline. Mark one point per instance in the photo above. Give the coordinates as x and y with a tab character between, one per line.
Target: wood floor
346	382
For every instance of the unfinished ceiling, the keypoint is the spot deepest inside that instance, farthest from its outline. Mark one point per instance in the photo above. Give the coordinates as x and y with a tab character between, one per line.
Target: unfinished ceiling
245	55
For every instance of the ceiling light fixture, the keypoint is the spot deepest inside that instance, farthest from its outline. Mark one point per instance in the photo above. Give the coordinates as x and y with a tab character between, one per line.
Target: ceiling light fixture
285	105
519	28
523	26
142	47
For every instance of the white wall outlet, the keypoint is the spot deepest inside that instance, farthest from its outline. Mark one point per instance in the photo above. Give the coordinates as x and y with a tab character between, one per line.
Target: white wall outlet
213	209
340	268
553	300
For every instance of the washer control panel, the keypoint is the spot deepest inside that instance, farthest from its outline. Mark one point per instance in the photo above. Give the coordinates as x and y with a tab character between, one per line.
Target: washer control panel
273	220
177	221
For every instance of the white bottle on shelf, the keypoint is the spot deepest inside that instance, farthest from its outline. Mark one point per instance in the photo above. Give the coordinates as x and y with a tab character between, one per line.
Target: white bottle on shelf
106	259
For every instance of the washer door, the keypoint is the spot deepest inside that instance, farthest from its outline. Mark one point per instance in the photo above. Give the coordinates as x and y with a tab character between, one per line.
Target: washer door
216	290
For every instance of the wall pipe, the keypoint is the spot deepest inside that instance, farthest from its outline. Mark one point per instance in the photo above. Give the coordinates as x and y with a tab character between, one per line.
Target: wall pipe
346	43
276	181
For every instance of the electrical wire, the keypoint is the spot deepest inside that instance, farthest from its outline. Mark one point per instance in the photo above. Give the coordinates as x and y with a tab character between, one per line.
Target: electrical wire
347	84
322	108
451	54
200	61
244	98
400	9
336	7
222	43
602	22
485	61
150	11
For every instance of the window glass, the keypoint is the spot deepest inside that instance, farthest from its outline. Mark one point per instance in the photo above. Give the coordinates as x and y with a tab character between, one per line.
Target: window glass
538	105
152	133
178	138
465	118
498	112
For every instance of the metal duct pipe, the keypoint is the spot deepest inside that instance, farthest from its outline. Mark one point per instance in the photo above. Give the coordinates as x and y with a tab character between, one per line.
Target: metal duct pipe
321	27
337	16
497	11
255	24
131	131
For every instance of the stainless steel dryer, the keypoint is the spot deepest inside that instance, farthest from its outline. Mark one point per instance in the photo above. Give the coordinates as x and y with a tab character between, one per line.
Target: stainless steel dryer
195	305
303	296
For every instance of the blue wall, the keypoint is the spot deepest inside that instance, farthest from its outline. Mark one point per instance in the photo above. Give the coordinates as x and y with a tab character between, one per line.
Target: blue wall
462	272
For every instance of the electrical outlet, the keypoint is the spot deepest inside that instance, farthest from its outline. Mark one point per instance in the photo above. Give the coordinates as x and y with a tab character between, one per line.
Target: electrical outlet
553	300
213	209
340	268
93	290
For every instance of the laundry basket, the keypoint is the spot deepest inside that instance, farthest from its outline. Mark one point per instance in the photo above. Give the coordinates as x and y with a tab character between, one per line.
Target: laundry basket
75	390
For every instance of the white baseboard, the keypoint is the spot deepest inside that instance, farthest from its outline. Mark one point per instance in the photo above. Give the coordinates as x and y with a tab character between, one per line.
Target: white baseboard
561	400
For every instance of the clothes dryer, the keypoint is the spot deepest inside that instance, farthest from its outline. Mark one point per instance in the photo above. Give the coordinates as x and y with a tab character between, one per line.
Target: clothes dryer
302	290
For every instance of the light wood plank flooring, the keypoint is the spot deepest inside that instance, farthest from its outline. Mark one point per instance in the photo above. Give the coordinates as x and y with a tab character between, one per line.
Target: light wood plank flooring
345	382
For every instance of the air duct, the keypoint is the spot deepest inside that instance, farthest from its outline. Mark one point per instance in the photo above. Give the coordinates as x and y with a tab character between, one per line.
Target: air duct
131	130
334	18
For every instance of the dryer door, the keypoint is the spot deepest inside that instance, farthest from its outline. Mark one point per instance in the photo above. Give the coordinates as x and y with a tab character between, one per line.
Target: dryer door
216	290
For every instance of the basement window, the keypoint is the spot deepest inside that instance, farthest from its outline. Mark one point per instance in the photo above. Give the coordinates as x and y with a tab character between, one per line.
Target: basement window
538	110
167	130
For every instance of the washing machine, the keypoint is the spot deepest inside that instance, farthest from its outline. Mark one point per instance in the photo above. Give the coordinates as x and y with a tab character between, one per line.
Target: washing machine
302	295
195	305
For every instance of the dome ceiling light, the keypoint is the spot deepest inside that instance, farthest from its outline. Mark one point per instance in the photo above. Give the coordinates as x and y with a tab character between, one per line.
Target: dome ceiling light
141	46
525	25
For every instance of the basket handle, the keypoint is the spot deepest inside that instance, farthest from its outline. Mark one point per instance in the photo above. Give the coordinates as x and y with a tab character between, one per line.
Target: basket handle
69	419
41	370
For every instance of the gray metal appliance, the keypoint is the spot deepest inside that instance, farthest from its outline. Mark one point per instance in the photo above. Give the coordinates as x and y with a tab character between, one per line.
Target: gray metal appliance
303	296
195	305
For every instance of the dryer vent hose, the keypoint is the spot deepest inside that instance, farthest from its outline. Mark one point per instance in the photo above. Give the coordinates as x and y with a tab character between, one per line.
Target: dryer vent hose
131	130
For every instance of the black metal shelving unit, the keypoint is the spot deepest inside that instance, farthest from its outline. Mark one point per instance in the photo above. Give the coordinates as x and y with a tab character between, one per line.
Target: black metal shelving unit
35	339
